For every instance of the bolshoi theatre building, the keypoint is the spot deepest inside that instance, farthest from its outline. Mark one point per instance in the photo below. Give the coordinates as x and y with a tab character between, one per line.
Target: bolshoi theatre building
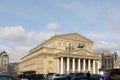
63	53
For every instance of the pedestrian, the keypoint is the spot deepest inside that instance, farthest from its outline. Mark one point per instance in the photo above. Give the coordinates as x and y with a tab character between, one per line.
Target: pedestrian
88	75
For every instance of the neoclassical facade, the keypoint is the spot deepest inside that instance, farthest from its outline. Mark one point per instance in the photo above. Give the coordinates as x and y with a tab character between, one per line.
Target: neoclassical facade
62	54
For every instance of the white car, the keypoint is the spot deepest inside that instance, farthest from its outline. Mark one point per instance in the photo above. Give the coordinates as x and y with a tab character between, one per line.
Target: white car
56	76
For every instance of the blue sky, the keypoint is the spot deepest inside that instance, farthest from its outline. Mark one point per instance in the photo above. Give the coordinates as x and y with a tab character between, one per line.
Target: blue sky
26	23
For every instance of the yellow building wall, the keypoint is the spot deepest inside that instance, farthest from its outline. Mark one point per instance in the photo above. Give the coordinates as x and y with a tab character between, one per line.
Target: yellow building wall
39	59
50	64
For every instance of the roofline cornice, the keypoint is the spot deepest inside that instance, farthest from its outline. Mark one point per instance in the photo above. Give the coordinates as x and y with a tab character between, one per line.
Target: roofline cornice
58	36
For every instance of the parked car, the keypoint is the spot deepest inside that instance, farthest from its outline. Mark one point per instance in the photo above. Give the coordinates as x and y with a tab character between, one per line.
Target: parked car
105	77
61	77
39	77
96	77
5	76
76	76
49	74
57	77
114	74
32	76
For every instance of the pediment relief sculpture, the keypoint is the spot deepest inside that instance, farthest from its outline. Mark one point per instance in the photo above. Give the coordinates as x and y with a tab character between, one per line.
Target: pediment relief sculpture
82	52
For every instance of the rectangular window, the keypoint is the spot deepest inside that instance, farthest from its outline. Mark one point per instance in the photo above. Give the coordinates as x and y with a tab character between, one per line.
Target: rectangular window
59	43
64	44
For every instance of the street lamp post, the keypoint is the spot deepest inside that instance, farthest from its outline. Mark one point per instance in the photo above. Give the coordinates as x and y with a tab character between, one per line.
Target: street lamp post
69	48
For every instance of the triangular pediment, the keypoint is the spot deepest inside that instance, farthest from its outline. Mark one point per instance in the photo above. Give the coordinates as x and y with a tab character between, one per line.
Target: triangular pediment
70	37
82	52
74	36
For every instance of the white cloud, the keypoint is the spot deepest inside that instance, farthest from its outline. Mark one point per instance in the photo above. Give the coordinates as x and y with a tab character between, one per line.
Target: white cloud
99	46
12	33
98	36
17	35
16	53
104	41
17	42
53	26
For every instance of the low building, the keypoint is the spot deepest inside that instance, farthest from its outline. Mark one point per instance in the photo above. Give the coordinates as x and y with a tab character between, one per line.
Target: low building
13	68
109	59
62	54
4	62
117	64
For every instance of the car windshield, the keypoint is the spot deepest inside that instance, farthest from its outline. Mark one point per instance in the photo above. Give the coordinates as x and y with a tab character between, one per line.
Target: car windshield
63	74
57	74
6	78
81	74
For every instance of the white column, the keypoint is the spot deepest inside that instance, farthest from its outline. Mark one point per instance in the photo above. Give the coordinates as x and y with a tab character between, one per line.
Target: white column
79	66
68	65
64	64
61	65
89	65
73	64
98	65
84	65
58	65
93	66
0	62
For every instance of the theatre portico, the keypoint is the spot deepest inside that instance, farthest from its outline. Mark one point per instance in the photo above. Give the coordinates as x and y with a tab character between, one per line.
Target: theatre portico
62	54
67	63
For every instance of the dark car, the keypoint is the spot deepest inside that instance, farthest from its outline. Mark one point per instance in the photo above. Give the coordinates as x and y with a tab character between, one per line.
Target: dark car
32	76
4	76
96	77
49	74
114	74
76	76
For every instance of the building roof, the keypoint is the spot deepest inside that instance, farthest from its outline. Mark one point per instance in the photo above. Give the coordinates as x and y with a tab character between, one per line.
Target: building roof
75	34
3	53
64	36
